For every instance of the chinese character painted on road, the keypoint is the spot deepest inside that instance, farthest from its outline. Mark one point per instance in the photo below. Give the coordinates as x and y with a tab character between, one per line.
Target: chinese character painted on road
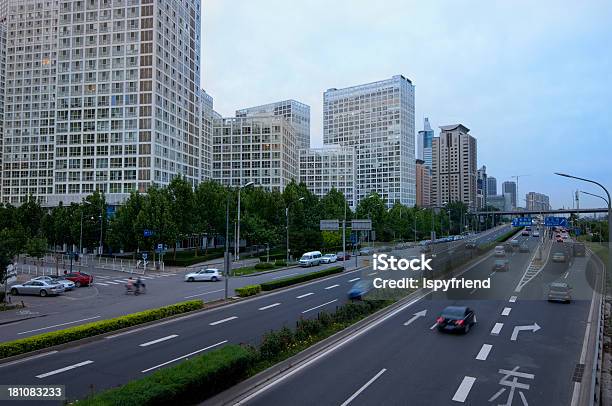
513	384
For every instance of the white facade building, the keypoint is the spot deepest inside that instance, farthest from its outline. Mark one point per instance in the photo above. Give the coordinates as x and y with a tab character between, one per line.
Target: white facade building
206	121
377	119
258	149
537	201
331	167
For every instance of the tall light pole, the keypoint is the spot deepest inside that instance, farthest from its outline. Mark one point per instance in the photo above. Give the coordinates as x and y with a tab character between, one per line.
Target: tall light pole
101	249
81	238
517	185
237	247
602	198
287	223
226	257
609	213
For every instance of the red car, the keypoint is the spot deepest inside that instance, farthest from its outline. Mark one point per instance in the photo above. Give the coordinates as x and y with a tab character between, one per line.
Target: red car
79	278
343	256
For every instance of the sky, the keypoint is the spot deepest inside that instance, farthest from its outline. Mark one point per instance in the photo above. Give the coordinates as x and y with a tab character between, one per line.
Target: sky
531	79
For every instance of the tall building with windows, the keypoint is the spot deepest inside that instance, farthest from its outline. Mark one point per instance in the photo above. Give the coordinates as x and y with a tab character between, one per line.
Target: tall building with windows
537	201
3	6
100	95
481	187
206	128
491	186
454	171
377	119
510	188
298	114
424	140
423	184
331	167
260	149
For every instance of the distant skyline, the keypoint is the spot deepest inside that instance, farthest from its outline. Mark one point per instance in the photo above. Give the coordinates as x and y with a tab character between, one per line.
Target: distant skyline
531	80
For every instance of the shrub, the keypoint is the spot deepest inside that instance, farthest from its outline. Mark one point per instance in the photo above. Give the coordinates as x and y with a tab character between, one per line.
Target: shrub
280	283
273	257
189	382
45	340
264	265
280	262
248	290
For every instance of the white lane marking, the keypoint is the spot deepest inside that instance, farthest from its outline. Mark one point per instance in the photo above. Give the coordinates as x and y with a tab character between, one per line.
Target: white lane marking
354	279
284	276
205	293
506	311
121	280
484	352
304	295
566	275
492	273
496	329
146	277
68	368
512	299
214	323
316	307
372	273
184	356
368	383
112	283
269	306
331	287
159	340
434	326
58	325
473	291
101	284
464	389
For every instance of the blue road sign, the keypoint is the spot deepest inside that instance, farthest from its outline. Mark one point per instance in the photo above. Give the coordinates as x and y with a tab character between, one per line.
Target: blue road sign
145	255
353	238
555	222
148	233
521	222
577	231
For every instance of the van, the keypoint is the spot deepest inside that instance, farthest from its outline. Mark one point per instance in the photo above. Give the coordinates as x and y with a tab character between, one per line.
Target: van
311	258
500	251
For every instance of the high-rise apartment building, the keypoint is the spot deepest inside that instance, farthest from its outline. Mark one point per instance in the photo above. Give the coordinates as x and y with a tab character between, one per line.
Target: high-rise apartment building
424	140
510	188
331	167
100	95
377	119
260	149
206	128
423	184
3	6
298	114
481	187
537	201
491	186
454	167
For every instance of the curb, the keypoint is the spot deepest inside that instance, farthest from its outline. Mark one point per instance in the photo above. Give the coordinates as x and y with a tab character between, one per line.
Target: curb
264	272
21	319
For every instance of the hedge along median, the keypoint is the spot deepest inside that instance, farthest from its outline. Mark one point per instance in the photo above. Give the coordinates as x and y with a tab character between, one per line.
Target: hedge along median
248	290
37	342
281	283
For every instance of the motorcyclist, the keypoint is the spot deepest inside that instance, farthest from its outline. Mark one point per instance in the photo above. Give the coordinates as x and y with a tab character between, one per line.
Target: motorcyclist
130	284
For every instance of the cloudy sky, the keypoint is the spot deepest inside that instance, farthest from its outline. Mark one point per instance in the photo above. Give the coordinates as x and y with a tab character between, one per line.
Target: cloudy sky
531	79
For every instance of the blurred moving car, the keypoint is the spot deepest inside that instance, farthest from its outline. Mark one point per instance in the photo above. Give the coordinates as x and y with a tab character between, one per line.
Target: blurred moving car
535	234
209	274
79	278
360	289
343	256
328	258
366	251
558	257
524	248
68	285
500	251
525	232
559	292
40	288
456	318
515	244
501	265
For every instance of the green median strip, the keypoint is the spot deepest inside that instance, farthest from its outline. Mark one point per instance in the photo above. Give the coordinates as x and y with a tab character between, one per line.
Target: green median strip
281	283
41	341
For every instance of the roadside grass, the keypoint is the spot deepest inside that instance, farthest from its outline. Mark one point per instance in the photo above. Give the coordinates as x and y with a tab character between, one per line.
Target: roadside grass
260	267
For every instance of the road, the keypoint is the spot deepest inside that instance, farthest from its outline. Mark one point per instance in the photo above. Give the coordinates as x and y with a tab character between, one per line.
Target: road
118	359
398	364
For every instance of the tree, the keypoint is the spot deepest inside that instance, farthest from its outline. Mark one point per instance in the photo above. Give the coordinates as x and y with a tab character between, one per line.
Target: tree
156	215
458	213
11	244
373	207
209	211
122	233
182	206
36	247
30	215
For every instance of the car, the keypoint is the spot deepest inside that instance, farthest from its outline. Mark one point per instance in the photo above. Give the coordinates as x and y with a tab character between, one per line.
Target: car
311	258
558	257
329	258
525	232
343	256
515	244
524	248
68	285
501	265
40	288
456	318
79	278
535	234
360	289
500	251
559	239
528	228
366	251
208	274
470	244
559	292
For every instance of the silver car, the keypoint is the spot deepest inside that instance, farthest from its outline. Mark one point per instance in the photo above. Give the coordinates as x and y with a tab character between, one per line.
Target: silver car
68	285
40	288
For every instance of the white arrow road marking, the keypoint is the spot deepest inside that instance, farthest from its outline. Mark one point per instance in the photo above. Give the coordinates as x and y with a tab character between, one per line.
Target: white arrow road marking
159	340
464	389
484	352
68	368
368	383
496	329
422	313
506	311
533	328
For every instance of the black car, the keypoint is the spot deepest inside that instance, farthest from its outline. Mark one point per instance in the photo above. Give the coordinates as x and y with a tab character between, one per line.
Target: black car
501	265
456	318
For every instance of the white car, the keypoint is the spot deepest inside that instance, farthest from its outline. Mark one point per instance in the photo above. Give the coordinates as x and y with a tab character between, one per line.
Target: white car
68	285
329	258
535	234
209	274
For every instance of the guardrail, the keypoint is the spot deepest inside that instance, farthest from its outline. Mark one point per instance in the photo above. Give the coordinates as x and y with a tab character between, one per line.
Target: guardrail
595	398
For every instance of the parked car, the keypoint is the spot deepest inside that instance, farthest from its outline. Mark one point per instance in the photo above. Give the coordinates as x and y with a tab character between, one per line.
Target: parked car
366	251
524	248
312	258
559	292
79	278
208	274
501	265
40	288
558	257
329	258
360	289
343	256
456	318
68	285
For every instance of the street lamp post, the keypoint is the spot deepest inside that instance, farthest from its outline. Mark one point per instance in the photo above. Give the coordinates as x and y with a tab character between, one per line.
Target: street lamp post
602	198
287	223
237	247
226	256
81	237
609	201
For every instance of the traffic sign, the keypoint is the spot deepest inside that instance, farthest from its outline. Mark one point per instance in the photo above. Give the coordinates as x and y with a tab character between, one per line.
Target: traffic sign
555	222
145	255
522	222
148	233
577	231
329	225
354	238
361	225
